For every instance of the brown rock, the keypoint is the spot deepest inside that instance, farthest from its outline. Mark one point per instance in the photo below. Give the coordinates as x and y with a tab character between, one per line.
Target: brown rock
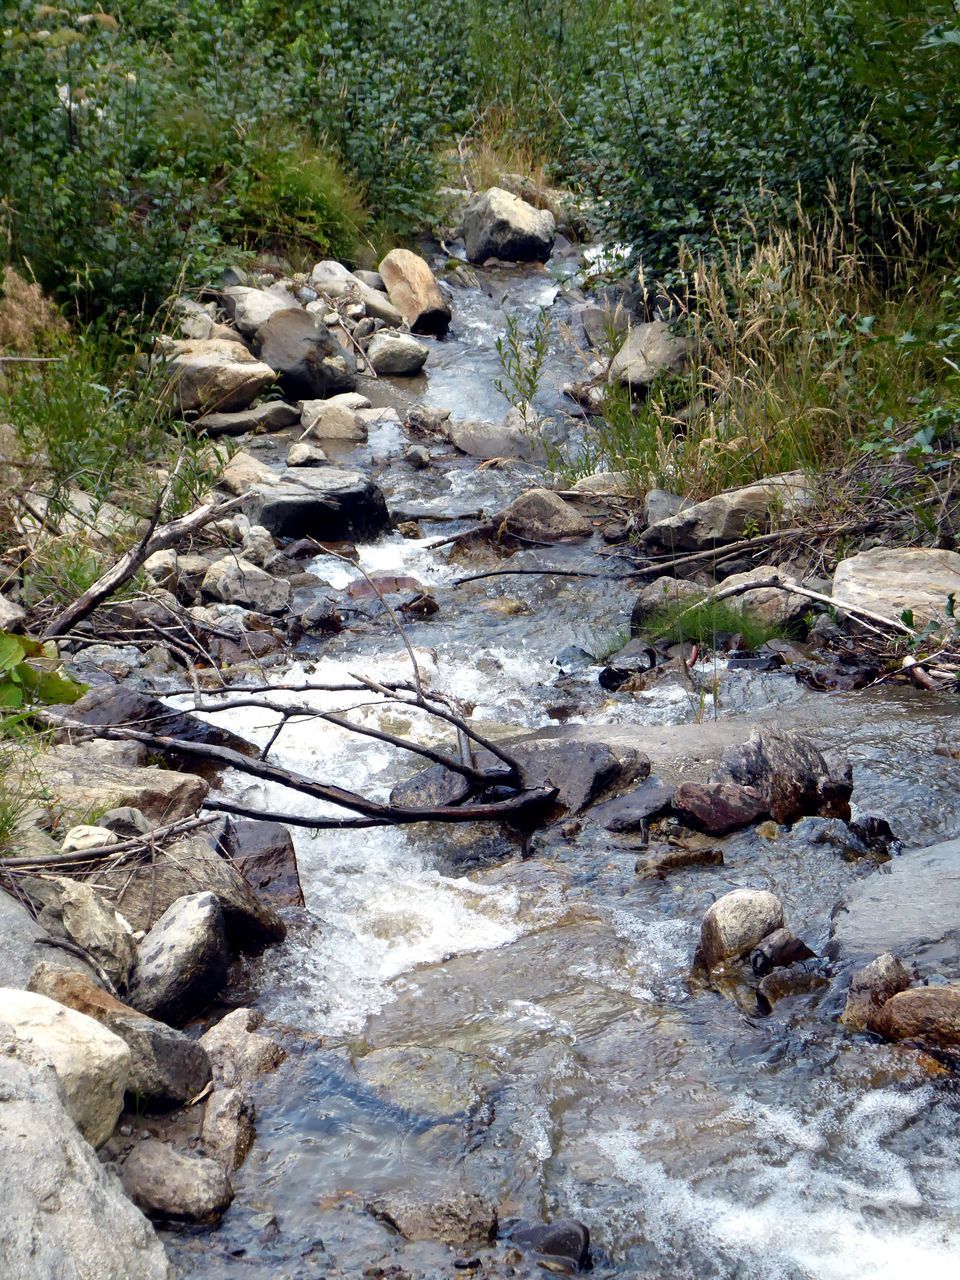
460	1218
543	516
790	773
930	1015
167	1184
735	923
871	987
718	807
414	291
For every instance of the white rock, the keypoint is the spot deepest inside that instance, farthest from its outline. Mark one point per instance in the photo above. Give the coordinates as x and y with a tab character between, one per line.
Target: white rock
889	580
11	614
332	420
736	923
396	354
92	1064
305	454
235	580
497	224
251	307
334	280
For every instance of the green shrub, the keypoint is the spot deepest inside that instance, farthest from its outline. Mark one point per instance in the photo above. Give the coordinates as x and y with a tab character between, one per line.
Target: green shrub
706	623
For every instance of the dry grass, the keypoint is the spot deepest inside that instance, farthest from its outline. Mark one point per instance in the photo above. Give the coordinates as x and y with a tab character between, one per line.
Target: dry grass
494	151
30	324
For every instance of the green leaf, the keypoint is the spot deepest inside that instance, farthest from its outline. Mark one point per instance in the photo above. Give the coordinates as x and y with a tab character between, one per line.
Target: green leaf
12	651
49	686
11	696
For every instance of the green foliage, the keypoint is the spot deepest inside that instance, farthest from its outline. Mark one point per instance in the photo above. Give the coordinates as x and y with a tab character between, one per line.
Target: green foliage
521	359
707	623
28	675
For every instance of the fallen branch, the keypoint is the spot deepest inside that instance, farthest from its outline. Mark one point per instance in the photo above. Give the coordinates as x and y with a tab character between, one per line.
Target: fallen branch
104	851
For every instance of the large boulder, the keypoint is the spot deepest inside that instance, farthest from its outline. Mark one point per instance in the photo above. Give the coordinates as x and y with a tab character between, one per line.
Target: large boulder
250	308
234	580
73	910
461	1217
790	774
889	580
329	504
335	419
182	962
399	355
928	1015
540	515
64	1213
769	605
734	924
414	291
497	224
92	1064
167	1184
167	1068
273	416
582	772
730	516
264	854
336	281
213	375
507	439
308	359
648	351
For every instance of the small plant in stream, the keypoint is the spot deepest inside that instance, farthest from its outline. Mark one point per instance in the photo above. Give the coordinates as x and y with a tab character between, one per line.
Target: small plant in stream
522	358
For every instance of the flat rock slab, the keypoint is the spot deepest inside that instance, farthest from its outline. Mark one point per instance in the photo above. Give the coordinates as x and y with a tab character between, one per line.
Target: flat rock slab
265	417
889	580
432	1081
330	504
629	812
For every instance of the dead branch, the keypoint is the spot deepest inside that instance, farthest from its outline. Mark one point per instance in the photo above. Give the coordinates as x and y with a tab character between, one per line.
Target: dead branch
104	851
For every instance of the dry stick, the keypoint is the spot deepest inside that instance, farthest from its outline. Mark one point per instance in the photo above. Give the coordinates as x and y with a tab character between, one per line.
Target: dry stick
155	539
515	806
307	786
100	852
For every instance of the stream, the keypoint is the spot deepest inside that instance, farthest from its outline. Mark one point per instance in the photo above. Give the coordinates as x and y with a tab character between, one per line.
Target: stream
464	1011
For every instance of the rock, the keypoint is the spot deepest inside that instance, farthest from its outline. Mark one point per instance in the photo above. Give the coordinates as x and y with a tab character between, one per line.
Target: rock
650	350
332	420
431	1081
582	772
791	775
729	516
718	807
614	483
75	911
264	854
427	419
273	416
392	354
779	950
492	439
64	1213
84	837
871	987
459	1218
167	1184
542	516
736	923
372	278
213	375
414	291
167	1068
889	580
126	823
928	1015
237	581
238	1052
687	854
12	616
603	325
417	456
769	605
92	1064
306	454
96	776
563	1239
22	947
243	471
250	308
258	545
659	504
330	504
308	359
228	1131
634	659
658	595
322	618
182	962
784	983
497	224
336	281
161	569
629	812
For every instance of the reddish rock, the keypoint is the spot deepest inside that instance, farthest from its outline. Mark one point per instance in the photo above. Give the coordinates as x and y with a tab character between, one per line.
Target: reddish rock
718	807
930	1015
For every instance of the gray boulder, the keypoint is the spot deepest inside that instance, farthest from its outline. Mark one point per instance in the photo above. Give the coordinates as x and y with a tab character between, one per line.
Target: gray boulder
393	354
729	516
325	503
497	224
234	580
64	1213
308	359
22	945
182	962
166	1184
250	308
273	416
337	282
238	1051
736	923
542	516
75	911
228	1127
649	350
213	376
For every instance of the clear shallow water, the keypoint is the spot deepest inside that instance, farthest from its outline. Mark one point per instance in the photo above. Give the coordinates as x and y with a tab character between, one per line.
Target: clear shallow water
527	1027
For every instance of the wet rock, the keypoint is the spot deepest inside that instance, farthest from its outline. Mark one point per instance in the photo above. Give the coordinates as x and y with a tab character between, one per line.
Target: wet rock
582	772
96	776
928	1015
73	910
228	1128
235	580
487	440
683	854
736	923
393	354
718	807
265	417
433	787
779	949
630	812
238	1052
791	775
64	1213
305	454
728	516
334	280
459	1218
213	376
542	516
414	291
432	1081
167	1068
264	854
427	419
329	504
307	358
182	962
92	1064
871	987
333	420
650	350
417	457
659	594
22	945
564	1239
497	224
167	1184
322	618
889	580
784	983
633	658
250	308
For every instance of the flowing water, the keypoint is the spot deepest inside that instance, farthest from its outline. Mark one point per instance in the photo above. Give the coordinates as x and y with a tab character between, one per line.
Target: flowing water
519	1020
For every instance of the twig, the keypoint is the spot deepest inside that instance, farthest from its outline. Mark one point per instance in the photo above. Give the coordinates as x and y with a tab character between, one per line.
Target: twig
100	852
